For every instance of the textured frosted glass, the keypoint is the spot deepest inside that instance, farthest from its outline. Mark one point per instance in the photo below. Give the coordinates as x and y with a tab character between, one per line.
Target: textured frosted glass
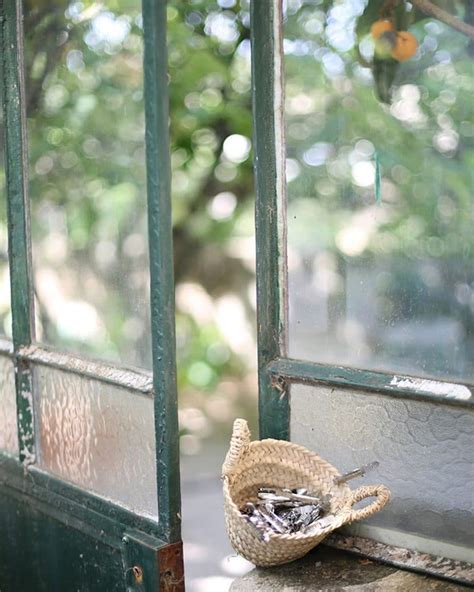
98	436
5	313
426	454
382	282
8	425
86	140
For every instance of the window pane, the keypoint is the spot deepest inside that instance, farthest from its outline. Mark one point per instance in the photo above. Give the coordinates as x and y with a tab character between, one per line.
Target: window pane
5	311
431	491
8	425
98	436
380	280
87	177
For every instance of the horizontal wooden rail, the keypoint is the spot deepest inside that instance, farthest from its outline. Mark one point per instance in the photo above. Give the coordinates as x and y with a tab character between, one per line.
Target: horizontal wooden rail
398	385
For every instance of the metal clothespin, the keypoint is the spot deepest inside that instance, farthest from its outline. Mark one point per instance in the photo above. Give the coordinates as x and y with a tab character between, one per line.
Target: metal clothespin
356	473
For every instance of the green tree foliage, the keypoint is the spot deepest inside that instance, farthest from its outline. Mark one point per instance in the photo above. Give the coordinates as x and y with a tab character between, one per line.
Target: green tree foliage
86	148
422	135
87	177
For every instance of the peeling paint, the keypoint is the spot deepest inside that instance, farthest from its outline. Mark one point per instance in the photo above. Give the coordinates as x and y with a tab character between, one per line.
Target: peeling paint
130	379
303	372
29	458
25	414
434	387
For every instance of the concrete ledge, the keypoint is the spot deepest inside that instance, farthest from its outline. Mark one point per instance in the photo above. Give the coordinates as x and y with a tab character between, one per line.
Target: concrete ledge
330	570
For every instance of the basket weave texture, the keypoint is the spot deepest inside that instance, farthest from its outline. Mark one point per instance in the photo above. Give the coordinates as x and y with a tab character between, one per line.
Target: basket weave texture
266	463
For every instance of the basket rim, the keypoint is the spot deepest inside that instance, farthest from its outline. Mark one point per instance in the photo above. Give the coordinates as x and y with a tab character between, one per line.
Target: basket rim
284	444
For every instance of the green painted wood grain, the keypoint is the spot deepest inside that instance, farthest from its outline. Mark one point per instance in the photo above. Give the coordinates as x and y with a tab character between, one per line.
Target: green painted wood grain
305	372
161	267
19	240
273	403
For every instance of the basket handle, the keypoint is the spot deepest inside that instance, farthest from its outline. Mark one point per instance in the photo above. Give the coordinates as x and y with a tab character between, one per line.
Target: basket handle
239	444
382	497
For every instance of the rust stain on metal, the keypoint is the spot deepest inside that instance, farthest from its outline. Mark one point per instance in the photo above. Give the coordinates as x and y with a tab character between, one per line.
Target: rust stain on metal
170	561
137	574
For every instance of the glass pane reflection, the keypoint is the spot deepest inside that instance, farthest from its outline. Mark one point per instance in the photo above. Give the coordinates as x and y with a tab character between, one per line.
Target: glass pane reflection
87	177
5	311
383	285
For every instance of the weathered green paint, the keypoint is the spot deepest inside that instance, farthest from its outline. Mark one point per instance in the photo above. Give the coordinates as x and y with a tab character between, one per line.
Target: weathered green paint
161	267
92	558
73	501
269	212
85	555
25	413
16	174
276	371
19	246
302	372
30	562
84	532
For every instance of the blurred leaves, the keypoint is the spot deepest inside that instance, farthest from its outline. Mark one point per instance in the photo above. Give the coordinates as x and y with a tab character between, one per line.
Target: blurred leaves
87	176
423	132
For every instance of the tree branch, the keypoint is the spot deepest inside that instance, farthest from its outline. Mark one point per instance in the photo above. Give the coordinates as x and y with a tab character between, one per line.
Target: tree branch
431	9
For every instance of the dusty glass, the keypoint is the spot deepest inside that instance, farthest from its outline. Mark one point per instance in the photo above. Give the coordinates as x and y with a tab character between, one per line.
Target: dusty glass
99	436
425	453
380	157
8	422
5	310
84	94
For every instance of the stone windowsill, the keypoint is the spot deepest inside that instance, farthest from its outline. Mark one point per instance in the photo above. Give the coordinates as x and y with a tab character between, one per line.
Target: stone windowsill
331	570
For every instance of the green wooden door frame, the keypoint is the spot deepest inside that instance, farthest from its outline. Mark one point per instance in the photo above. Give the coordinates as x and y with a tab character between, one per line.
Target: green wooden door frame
277	372
18	220
120	549
161	266
270	214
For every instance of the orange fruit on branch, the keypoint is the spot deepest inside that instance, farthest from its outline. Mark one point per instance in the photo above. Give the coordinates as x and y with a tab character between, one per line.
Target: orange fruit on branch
381	27
384	35
405	46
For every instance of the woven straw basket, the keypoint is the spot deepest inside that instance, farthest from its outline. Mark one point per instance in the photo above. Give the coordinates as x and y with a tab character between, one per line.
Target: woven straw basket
266	463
